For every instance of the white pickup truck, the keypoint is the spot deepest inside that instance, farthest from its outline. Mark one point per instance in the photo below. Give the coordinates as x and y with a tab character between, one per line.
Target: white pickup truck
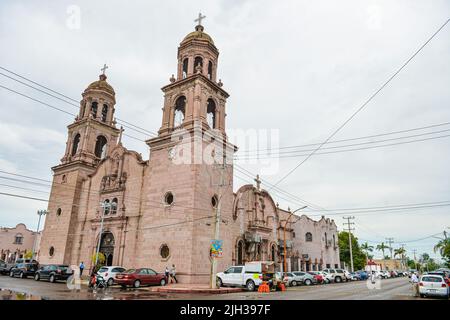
249	276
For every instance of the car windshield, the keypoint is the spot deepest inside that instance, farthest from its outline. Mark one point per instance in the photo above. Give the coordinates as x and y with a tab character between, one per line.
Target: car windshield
103	269
130	271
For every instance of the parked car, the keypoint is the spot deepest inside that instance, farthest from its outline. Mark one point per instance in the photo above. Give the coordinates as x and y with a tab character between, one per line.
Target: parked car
338	275
362	275
109	273
23	270
3	267
53	273
139	277
433	285
304	278
318	275
354	276
250	276
327	277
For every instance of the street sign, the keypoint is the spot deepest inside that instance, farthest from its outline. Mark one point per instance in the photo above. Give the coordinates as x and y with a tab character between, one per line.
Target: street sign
216	248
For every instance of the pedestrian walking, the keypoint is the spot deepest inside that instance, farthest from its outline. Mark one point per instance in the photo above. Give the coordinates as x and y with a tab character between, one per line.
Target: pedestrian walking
173	274
167	274
81	268
415	284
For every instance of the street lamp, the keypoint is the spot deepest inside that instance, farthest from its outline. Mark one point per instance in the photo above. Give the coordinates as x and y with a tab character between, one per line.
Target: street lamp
284	234
105	205
40	214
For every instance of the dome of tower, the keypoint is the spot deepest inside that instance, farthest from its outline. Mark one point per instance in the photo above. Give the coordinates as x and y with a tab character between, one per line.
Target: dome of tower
101	84
198	34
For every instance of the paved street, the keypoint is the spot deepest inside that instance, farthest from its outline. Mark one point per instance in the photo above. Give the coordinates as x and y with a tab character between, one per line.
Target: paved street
389	289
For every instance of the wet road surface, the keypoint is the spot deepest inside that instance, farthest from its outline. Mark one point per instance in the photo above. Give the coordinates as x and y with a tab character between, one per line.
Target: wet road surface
28	289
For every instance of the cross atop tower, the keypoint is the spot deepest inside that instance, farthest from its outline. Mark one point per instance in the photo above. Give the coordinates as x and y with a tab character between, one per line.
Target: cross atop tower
258	182
200	18
104	68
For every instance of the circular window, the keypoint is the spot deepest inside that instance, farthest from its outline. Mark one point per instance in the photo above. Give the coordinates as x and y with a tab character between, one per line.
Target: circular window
214	201
58	212
164	251
168	198
51	252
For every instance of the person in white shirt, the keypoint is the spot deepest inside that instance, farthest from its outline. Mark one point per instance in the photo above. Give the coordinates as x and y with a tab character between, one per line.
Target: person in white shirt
415	283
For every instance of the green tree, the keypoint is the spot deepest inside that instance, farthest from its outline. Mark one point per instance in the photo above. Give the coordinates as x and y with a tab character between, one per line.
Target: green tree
443	247
366	248
100	261
359	257
28	254
382	247
401	253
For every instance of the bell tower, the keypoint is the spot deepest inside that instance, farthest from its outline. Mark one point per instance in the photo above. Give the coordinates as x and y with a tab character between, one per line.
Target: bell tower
195	95
90	138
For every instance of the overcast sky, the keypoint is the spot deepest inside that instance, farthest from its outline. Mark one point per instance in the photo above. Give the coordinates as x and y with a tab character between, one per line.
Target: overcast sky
300	68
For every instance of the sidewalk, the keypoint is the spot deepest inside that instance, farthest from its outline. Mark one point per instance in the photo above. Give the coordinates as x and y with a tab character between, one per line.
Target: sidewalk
193	288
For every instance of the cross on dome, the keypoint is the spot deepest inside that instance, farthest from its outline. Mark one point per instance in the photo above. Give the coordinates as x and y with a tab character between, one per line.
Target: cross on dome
104	69
200	18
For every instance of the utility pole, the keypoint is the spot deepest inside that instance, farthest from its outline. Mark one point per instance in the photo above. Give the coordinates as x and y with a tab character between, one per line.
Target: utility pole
403	255
350	229
40	214
414	253
221	184
390	241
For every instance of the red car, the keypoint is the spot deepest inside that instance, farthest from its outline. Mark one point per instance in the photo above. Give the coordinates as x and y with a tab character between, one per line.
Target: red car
317	276
139	277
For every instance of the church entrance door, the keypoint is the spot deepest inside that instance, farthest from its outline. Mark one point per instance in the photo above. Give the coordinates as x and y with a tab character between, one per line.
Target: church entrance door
107	247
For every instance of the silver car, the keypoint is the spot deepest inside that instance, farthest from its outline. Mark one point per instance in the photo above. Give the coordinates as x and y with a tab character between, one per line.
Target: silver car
305	278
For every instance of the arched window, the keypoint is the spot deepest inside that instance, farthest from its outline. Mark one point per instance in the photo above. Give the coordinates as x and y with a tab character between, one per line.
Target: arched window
308	237
114	206
185	67
104	112
240	253
198	61
100	147
210	69
180	108
106	207
18	239
94	107
211	113
326	239
273	253
334	241
76	142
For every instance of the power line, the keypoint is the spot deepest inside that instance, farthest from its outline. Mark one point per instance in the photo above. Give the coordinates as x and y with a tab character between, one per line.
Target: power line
349	139
295	154
364	104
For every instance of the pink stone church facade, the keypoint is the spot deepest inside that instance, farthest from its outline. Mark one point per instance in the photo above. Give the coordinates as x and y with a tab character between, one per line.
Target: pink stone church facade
161	211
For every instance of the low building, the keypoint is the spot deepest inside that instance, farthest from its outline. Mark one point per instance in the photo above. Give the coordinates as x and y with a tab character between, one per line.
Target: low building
317	242
390	264
15	242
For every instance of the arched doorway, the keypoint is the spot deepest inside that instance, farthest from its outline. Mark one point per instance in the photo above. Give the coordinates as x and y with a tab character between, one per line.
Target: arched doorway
240	253
107	247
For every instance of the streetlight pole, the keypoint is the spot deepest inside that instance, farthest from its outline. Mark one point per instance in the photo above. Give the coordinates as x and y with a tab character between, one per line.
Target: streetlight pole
105	206
40	214
284	236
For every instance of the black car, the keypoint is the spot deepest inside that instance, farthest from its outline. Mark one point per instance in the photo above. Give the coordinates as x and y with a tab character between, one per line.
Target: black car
23	270
53	272
4	269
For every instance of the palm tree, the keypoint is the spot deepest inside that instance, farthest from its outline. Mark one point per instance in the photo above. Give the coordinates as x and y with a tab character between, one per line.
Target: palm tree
443	246
400	252
381	247
366	248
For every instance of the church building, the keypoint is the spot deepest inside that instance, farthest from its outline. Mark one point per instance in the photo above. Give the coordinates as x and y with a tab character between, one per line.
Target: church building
162	211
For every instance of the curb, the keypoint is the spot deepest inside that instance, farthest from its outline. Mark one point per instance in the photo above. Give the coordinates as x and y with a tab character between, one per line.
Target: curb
197	290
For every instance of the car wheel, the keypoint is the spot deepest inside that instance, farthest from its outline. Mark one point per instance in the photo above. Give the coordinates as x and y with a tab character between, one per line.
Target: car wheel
22	275
294	283
250	285
337	279
137	284
162	282
308	282
52	278
110	282
218	282
11	274
36	277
